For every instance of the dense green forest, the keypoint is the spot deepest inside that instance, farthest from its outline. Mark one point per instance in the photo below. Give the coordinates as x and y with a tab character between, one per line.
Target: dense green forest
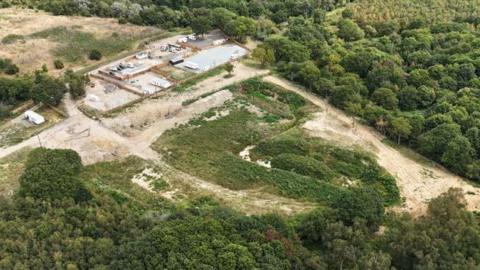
61	218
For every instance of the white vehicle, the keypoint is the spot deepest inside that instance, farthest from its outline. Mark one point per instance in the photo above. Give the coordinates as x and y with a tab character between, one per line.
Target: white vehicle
219	41
192	37
34	117
141	55
93	98
182	40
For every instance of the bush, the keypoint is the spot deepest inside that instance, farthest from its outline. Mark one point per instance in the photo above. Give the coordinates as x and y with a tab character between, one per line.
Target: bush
360	203
58	64
76	84
349	30
8	67
11	39
303	165
12	69
47	89
52	175
4	110
95	55
282	146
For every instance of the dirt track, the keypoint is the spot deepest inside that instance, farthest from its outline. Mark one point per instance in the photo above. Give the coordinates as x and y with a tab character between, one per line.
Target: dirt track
419	183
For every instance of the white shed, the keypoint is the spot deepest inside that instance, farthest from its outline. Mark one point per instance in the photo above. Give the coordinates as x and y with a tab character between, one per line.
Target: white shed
34	117
148	90
160	82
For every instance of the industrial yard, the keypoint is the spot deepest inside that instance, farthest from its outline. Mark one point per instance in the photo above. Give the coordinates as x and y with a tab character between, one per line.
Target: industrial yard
160	67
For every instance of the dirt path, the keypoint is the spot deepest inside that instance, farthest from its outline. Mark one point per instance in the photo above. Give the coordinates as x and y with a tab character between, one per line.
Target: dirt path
419	183
89	138
151	134
253	201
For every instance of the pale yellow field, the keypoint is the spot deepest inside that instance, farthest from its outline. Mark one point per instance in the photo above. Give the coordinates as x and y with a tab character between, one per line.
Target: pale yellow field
31	53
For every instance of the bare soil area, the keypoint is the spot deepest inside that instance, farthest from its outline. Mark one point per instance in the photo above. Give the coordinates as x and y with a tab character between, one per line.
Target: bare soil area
418	182
104	96
152	112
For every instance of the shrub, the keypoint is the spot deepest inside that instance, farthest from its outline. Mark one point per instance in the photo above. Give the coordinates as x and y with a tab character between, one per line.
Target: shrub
303	165
58	64
4	110
11	39
76	84
47	89
8	67
12	69
282	146
349	30
360	203
95	55
53	175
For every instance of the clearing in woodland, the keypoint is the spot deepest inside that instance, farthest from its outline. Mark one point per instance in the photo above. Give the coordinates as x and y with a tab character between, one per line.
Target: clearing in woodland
283	161
33	38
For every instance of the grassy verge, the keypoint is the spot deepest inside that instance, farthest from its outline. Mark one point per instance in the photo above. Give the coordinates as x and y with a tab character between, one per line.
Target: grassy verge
11	167
115	178
409	153
75	45
13	133
192	81
126	53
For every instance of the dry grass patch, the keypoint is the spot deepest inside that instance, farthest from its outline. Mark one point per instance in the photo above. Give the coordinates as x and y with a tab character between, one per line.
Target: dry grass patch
11	167
23	37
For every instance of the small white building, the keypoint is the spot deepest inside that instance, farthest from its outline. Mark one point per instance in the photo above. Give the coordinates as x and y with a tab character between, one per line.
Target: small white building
34	117
148	90
160	82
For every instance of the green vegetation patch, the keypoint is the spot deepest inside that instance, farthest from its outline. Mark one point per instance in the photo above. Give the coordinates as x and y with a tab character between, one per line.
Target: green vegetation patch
193	80
274	99
315	158
115	178
75	45
11	167
12	38
302	168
